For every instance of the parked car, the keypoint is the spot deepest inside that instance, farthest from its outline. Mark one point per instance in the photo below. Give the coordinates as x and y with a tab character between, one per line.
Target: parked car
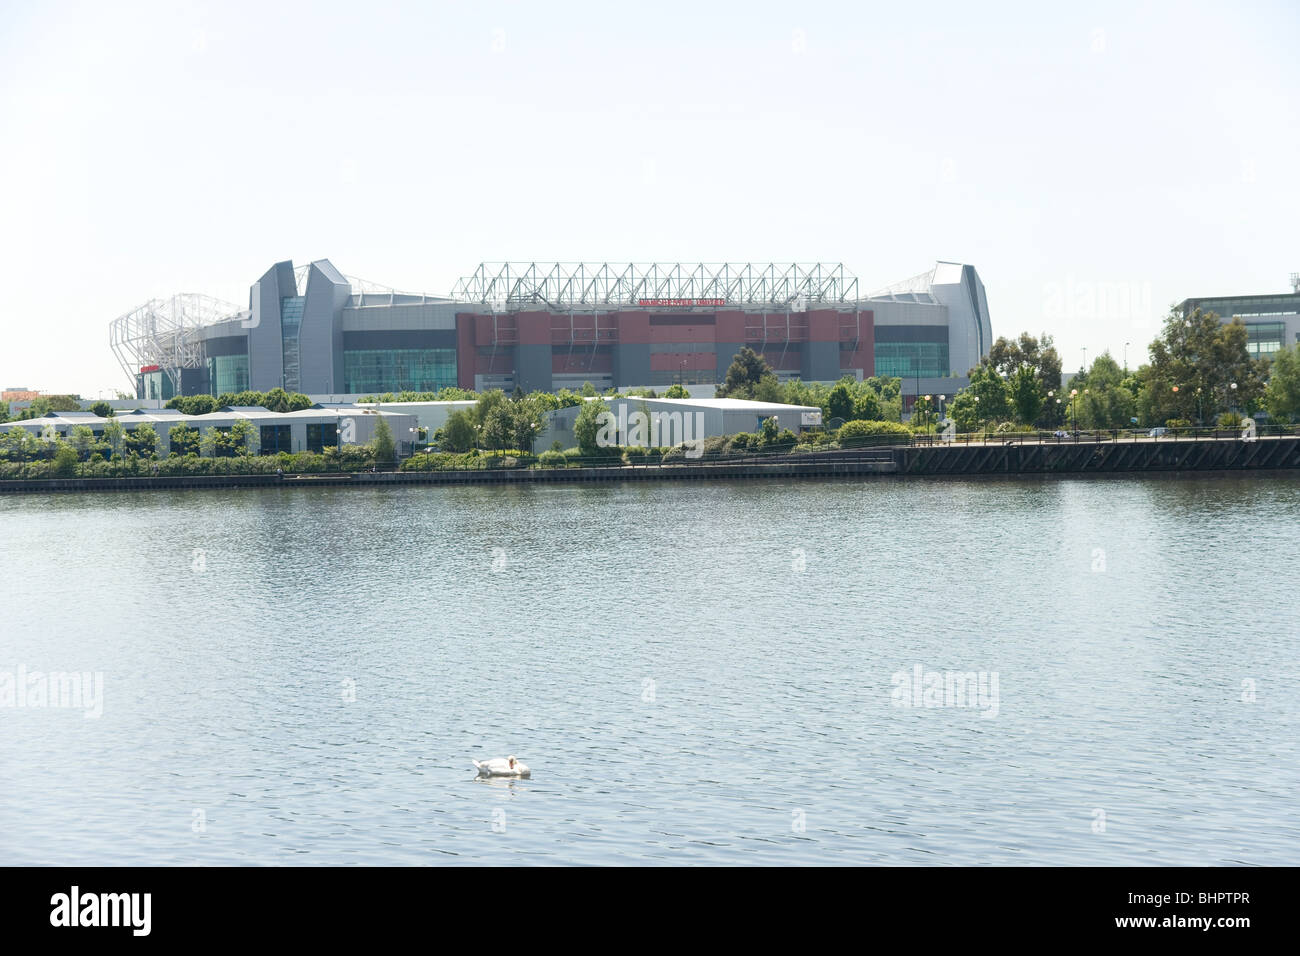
1158	432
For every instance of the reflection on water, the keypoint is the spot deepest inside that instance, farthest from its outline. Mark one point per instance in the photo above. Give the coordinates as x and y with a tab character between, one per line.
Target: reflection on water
694	673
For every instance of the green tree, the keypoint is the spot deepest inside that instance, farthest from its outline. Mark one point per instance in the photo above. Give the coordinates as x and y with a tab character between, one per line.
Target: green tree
184	440
81	438
102	409
1103	400
113	434
142	441
987	385
587	426
1282	397
747	374
1194	363
839	404
1025	393
525	421
1008	356
459	433
276	400
498	427
867	406
65	460
383	445
677	391
241	437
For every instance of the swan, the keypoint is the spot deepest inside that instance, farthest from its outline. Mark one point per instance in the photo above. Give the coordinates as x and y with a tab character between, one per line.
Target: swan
502	767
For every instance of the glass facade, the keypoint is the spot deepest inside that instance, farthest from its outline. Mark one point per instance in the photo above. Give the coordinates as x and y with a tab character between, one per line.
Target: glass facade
912	359
154	385
275	438
1264	338
228	373
320	437
290	325
368	371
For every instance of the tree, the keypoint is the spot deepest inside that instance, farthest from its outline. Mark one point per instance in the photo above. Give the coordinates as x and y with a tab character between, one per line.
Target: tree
459	433
1026	394
1103	400
240	438
65	460
102	409
587	426
142	441
867	406
183	439
498	427
1283	395
276	400
839	404
747	372
1006	356
113	433
526	420
81	438
383	445
677	391
1194	363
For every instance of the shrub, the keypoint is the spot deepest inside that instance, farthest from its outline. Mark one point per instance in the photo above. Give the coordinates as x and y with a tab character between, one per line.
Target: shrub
857	433
552	459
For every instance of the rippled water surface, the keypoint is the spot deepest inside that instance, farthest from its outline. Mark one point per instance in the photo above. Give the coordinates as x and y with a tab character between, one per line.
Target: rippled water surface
695	672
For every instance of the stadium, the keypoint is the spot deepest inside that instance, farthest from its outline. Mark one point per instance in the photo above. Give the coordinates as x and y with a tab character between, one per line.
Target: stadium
549	326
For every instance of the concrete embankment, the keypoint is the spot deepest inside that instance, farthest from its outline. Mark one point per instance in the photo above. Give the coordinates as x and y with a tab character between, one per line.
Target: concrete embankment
1006	458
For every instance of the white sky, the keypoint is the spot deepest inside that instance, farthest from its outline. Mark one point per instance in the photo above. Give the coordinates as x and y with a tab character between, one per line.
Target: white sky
1144	152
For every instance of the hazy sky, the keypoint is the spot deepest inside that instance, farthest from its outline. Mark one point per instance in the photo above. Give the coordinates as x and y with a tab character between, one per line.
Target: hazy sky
1094	163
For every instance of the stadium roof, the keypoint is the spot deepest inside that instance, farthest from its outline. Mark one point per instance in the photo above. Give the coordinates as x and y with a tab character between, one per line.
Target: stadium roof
569	284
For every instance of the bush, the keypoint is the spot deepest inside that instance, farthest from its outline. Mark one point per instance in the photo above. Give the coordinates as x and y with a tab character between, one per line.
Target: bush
1178	425
553	459
65	461
857	433
1229	420
445	461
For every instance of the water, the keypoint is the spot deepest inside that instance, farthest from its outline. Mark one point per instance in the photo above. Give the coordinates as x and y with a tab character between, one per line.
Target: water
695	672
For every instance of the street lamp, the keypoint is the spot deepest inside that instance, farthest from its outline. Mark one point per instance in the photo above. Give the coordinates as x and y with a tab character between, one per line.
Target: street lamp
1074	407
925	421
1126	345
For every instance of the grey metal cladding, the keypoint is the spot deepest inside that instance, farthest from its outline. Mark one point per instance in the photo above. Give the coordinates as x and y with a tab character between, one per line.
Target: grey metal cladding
533	367
400	339
226	345
821	361
911	333
321	334
631	363
265	354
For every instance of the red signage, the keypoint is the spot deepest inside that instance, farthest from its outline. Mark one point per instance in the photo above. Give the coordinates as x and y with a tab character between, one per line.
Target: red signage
682	303
149	368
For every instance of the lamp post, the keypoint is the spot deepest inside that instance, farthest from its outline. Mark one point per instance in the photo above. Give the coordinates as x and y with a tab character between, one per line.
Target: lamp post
1074	408
925	421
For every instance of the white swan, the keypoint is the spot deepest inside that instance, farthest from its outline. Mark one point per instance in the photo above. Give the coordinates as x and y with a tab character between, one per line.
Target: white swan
502	767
